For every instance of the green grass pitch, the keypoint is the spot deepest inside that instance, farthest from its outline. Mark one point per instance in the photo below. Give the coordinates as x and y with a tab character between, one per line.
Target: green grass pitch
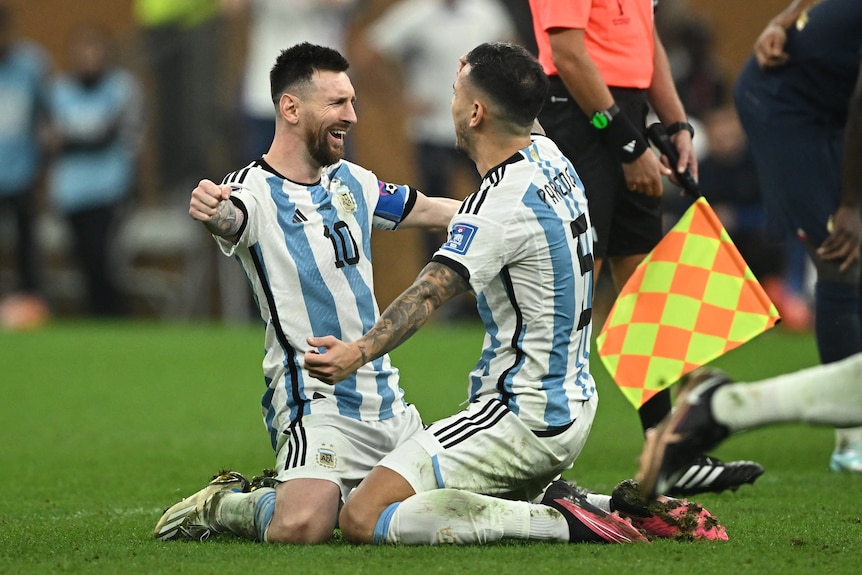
104	425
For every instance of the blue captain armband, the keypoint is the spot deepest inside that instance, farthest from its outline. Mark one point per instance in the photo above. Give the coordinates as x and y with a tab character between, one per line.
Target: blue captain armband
393	205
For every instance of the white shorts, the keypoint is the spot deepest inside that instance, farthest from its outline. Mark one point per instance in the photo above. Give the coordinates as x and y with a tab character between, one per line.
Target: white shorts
340	449
487	449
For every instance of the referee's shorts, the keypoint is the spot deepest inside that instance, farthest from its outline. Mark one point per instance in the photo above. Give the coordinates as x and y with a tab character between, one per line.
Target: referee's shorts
626	222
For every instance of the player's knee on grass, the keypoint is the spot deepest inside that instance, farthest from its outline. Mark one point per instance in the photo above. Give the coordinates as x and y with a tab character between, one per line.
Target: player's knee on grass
303	527
357	521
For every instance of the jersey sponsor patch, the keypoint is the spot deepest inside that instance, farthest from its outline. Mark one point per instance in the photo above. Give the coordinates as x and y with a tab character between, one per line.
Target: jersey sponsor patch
460	238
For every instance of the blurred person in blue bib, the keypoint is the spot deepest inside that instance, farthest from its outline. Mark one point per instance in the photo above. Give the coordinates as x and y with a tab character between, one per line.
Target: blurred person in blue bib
24	72
96	120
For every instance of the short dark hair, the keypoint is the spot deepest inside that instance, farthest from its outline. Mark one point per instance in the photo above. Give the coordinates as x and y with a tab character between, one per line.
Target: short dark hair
511	77
298	63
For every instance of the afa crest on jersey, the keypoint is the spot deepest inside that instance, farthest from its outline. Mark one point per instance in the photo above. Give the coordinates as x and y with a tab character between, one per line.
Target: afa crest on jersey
460	238
344	195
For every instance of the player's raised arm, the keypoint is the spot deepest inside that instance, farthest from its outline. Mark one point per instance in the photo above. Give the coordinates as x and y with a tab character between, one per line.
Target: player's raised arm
210	204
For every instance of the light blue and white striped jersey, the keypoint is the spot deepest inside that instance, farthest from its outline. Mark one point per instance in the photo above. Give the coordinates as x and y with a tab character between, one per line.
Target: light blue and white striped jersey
524	242
306	250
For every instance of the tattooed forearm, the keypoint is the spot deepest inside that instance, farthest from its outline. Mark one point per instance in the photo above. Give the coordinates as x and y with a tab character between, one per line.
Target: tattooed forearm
435	285
363	354
226	222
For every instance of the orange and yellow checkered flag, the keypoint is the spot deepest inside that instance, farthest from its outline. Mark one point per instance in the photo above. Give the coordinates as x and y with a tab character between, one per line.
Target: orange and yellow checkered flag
692	299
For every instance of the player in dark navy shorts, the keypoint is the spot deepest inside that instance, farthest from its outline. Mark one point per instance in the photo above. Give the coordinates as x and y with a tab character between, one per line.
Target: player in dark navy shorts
792	98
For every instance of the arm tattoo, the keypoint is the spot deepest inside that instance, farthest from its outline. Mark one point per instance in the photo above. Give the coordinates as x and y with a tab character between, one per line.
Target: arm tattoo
225	222
436	284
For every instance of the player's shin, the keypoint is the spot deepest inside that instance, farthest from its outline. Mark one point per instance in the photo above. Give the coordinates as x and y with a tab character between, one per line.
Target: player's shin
245	515
450	516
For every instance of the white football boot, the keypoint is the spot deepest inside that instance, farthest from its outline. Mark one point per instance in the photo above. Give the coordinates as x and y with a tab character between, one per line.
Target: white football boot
191	518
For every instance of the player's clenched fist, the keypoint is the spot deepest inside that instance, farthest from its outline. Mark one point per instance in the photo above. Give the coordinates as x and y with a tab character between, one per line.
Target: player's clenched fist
206	198
209	205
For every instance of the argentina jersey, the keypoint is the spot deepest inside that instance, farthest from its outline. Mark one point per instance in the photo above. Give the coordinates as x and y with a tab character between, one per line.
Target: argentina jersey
306	251
524	242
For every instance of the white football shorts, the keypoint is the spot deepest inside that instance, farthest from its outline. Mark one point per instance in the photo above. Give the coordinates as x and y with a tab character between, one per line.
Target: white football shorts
487	449
340	449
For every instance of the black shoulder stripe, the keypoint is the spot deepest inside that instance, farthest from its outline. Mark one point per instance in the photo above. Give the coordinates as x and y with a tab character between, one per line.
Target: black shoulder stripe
481	195
238	177
242	174
494	176
473	202
465	205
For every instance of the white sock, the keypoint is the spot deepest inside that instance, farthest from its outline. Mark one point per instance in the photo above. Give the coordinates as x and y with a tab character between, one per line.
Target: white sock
601	501
828	394
455	516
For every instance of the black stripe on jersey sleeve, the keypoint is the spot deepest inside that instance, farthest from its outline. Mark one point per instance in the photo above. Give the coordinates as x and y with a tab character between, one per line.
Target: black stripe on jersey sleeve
457	267
482	195
411	201
243	174
241	207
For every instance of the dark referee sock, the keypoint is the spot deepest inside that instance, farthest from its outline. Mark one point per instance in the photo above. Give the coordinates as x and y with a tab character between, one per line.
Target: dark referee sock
654	410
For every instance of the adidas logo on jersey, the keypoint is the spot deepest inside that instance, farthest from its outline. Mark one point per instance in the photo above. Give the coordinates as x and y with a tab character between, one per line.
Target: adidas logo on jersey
630	147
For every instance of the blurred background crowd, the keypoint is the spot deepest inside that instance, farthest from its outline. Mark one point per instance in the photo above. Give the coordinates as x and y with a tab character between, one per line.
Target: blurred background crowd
112	110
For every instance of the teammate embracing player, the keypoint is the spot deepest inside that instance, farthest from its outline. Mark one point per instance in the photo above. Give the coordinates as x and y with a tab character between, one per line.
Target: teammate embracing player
523	244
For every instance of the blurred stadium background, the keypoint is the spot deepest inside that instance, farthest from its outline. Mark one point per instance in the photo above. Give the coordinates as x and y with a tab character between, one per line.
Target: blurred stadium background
168	266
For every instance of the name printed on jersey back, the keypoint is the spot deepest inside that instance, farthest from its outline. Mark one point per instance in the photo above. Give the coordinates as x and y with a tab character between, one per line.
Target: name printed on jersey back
557	187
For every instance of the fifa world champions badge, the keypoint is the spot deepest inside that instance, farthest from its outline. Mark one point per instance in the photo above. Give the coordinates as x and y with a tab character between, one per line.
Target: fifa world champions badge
344	195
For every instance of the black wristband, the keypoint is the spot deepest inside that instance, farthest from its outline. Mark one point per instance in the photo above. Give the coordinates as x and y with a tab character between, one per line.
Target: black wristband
627	141
679	126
